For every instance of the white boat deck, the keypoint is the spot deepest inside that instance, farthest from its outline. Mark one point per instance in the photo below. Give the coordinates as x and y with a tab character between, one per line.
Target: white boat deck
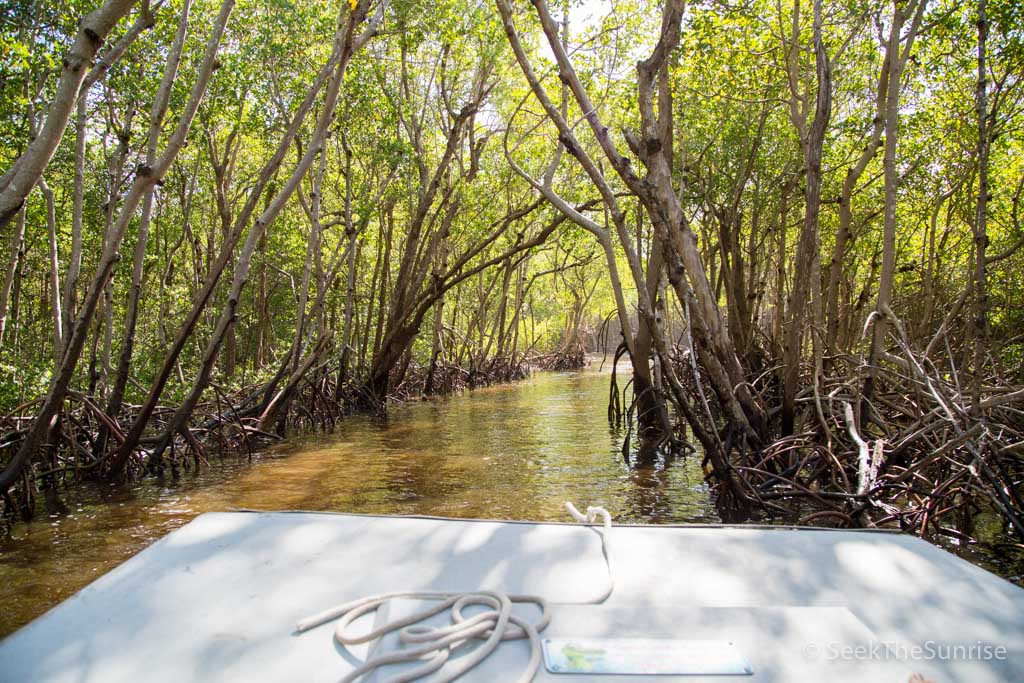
217	600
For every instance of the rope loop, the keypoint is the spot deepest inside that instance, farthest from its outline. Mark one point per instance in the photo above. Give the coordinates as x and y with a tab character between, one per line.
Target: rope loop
433	645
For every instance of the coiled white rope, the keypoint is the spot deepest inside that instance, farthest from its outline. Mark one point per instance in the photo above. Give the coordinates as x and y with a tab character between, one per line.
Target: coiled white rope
493	626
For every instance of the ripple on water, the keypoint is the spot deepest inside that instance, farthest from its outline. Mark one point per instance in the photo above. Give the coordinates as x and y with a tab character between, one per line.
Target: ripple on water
510	452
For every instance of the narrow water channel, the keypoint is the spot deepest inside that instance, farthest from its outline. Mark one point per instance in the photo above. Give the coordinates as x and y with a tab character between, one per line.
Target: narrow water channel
509	452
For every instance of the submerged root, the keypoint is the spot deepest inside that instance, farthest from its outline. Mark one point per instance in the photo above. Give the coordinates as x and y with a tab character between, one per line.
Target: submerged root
915	454
574	358
229	424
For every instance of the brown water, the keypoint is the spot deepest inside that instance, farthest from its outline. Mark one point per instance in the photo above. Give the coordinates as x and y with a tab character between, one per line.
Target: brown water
510	452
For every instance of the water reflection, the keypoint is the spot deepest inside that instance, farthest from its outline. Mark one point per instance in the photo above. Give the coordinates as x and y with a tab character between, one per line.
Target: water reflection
510	452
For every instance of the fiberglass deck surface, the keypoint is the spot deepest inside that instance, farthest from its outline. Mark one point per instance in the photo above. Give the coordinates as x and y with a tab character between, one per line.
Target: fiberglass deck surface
217	600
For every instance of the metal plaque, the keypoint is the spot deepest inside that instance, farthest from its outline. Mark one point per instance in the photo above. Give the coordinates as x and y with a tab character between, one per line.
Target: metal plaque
644	656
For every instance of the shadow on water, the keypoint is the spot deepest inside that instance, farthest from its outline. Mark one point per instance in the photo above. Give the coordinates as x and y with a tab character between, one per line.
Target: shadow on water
508	452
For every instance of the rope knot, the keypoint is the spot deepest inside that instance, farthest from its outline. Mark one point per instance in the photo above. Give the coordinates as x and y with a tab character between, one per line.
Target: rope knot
593	512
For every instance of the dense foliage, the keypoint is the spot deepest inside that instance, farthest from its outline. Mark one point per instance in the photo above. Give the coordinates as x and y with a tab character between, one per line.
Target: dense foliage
800	222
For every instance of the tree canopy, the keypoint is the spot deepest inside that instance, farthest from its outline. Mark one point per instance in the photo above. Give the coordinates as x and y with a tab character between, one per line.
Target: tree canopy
224	219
